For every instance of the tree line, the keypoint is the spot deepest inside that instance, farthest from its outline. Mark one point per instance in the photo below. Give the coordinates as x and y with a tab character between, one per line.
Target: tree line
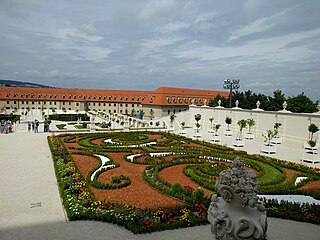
247	100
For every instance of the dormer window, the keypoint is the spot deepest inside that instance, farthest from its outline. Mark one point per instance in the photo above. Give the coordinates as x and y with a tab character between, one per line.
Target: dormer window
174	99
27	95
8	94
121	98
142	98
69	96
152	98
132	98
55	96
138	98
21	95
110	97
31	95
168	99
50	96
200	100
15	95
185	100
94	97
89	97
180	100
115	98
99	97
75	96
63	96
126	98
84	97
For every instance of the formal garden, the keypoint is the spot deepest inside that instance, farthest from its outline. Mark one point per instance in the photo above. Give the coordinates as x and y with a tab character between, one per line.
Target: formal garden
152	181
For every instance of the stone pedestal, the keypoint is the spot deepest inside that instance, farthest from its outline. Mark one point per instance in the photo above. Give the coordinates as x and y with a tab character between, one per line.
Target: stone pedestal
236	214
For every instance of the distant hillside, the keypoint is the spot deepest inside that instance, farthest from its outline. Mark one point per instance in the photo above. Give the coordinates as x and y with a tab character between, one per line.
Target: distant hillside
11	83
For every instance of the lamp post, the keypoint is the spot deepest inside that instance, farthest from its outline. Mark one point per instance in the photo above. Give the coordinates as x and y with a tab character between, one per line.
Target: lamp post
231	84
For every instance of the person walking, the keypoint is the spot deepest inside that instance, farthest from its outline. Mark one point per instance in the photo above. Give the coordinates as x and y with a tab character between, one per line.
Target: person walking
36	126
6	126
2	126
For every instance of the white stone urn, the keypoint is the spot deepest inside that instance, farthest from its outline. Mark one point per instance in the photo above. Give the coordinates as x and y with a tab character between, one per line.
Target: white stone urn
237	214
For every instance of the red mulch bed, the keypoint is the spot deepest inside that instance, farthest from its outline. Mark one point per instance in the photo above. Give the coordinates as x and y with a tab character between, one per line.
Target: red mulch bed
156	137
98	141
289	174
312	185
138	193
175	174
85	163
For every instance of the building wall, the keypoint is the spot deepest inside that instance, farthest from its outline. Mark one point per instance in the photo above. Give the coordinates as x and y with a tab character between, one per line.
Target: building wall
294	125
162	111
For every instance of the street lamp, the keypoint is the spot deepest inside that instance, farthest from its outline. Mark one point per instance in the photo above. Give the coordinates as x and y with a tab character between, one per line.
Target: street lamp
231	84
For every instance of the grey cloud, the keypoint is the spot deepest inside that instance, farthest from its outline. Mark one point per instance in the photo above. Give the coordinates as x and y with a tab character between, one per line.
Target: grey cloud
145	44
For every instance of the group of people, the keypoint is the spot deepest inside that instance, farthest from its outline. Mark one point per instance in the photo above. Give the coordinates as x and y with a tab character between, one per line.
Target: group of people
6	126
34	126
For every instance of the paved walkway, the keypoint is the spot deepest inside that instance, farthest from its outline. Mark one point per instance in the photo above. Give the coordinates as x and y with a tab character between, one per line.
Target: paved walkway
30	206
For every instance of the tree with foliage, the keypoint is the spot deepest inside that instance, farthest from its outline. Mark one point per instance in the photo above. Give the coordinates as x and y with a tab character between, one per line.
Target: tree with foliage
267	138
250	123
276	129
301	104
172	118
216	128
242	124
182	125
312	130
214	101
228	121
197	117
211	122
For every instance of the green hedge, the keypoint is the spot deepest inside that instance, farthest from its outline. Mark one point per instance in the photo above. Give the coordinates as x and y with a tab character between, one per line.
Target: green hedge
69	117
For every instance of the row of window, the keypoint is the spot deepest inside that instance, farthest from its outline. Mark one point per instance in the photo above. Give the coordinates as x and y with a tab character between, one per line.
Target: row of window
103	110
185	100
84	97
77	104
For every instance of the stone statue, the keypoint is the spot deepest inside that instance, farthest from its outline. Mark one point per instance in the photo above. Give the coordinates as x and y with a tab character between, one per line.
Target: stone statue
284	105
205	102
258	104
237	214
219	103
237	103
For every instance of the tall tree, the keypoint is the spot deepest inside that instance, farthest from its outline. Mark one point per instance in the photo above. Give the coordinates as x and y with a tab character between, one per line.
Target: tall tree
301	103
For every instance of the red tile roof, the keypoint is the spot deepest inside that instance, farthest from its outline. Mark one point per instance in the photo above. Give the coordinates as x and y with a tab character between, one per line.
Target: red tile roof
161	96
180	96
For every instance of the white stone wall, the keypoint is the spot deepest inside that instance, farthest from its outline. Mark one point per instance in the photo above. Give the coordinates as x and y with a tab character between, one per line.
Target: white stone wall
294	125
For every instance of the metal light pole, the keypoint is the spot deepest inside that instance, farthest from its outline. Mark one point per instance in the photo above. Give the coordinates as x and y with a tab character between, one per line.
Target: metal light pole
231	84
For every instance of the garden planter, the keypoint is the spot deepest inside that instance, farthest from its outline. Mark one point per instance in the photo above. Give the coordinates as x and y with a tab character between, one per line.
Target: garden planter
276	140
268	148
183	132
228	133
197	134
311	157
210	130
238	143
216	138
171	130
307	146
249	136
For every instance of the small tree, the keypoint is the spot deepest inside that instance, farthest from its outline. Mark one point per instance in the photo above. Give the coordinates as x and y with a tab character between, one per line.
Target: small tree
216	128
228	121
197	117
312	144
267	138
276	129
242	124
172	117
211	121
182	125
250	123
312	130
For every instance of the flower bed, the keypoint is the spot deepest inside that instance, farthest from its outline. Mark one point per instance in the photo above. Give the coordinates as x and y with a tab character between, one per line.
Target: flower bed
141	196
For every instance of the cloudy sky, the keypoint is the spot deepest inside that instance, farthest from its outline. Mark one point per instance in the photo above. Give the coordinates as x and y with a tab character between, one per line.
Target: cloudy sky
142	44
